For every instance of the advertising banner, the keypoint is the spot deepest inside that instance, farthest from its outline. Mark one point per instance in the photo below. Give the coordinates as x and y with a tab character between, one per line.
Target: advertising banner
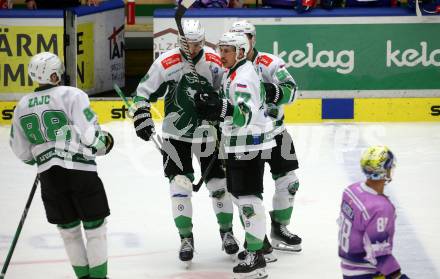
348	57
358	56
20	39
94	46
85	56
98	43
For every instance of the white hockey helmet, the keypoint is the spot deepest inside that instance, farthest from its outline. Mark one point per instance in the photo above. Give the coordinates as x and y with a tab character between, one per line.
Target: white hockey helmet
245	27
194	32
237	40
43	65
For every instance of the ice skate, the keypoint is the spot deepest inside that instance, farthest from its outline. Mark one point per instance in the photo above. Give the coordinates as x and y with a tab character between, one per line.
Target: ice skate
267	251
252	267
283	239
229	243
186	252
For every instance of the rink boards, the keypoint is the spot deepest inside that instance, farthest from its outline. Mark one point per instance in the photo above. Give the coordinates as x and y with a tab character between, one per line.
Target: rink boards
301	111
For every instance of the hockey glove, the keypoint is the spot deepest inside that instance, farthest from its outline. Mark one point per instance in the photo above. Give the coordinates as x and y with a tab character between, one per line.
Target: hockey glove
273	93
104	143
272	111
211	107
143	123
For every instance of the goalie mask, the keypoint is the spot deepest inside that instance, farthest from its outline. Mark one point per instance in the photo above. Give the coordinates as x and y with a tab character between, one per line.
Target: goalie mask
43	65
244	26
377	163
237	40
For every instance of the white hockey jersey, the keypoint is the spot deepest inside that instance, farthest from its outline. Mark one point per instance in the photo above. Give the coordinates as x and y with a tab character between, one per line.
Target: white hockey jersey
170	77
249	129
55	126
272	69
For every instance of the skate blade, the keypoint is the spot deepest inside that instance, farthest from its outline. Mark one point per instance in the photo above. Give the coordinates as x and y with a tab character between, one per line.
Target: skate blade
282	246
270	258
256	274
187	264
233	257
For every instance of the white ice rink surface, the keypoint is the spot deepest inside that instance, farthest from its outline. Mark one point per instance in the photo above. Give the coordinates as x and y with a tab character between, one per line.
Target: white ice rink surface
143	240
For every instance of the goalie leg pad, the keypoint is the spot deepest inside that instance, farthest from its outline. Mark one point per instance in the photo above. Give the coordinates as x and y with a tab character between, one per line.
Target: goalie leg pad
181	193
221	202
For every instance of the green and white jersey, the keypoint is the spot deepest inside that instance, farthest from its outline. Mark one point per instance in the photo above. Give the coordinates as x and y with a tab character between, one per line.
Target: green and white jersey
169	77
272	69
248	129
55	126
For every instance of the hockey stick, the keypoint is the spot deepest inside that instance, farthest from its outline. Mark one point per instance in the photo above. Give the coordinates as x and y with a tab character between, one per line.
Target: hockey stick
180	12
195	187
418	12
124	99
430	12
20	226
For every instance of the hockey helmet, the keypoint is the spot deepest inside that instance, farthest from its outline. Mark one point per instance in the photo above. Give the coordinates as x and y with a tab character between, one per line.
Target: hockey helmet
377	163
237	40
244	26
194	32
43	65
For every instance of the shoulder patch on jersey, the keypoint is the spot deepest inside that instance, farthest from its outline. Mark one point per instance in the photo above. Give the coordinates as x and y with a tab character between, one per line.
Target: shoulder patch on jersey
213	58
265	60
171	60
88	113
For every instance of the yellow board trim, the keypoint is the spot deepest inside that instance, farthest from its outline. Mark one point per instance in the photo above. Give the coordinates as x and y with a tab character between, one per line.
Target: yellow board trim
395	109
301	111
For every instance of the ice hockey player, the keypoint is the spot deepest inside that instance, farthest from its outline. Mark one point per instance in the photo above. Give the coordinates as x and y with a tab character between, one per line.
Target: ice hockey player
280	90
367	221
56	129
184	133
246	136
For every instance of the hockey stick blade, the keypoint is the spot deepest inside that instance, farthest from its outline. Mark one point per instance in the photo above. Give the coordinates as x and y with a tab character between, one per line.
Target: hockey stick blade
430	12
181	9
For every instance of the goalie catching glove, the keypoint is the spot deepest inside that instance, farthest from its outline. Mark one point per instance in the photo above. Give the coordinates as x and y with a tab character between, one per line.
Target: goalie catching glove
211	107
143	123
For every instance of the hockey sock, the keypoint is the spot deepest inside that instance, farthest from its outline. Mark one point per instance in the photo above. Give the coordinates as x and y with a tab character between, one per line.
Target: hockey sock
284	197
181	204
254	218
221	202
96	234
75	248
